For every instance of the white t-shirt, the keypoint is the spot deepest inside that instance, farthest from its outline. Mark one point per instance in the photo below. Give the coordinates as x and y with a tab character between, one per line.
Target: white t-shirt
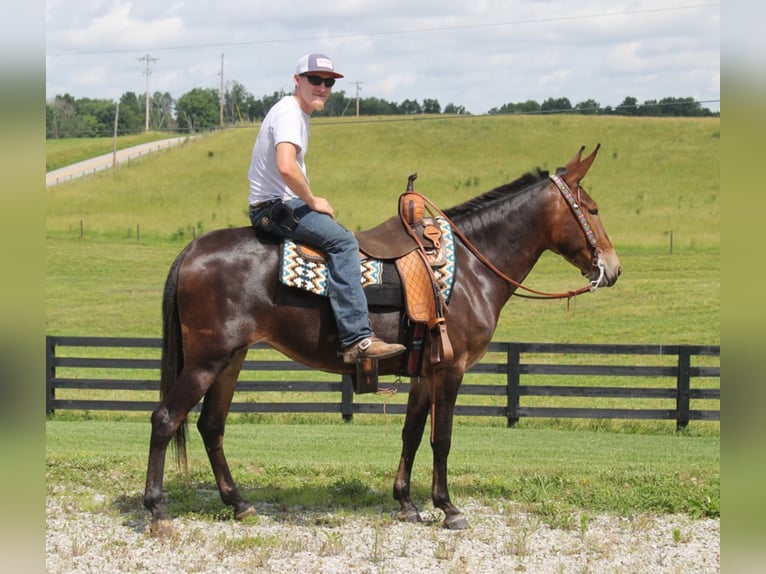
285	122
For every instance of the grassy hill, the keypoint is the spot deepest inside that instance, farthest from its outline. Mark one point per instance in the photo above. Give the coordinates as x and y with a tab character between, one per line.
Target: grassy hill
110	237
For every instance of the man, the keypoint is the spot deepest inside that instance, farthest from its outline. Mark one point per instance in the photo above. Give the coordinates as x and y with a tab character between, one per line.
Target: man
282	203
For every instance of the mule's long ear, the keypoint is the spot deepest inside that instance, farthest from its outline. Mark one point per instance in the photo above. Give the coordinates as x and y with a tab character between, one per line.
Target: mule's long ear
575	161
577	173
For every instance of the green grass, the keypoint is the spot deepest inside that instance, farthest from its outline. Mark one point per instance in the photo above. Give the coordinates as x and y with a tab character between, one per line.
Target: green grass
652	176
350	468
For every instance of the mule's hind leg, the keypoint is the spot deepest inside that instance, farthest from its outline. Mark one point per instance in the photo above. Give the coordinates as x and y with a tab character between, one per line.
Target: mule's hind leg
211	424
166	421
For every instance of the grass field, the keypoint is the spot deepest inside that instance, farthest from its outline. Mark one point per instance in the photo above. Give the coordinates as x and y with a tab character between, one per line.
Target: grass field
352	467
652	176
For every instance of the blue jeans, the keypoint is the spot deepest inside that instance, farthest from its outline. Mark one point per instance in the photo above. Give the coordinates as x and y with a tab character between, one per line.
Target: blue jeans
344	282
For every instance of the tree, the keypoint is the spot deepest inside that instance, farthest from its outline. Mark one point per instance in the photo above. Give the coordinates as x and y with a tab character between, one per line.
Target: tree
61	117
588	107
235	100
198	109
376	107
132	118
410	107
431	106
628	107
556	105
96	116
453	109
528	107
161	116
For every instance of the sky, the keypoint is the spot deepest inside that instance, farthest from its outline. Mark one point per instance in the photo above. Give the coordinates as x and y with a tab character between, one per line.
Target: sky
479	54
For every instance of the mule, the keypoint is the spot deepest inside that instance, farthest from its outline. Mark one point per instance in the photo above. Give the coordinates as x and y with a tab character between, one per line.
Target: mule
221	297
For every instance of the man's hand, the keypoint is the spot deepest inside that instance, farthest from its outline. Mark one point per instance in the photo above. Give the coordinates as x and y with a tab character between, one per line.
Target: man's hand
321	205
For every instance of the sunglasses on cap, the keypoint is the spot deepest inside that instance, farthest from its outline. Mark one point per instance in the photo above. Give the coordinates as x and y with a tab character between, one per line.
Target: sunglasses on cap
317	80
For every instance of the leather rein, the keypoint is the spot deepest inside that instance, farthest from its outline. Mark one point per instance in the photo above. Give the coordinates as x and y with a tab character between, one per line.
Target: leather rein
581	219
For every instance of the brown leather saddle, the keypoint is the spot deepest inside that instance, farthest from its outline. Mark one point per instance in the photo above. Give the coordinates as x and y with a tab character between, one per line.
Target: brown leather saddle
414	242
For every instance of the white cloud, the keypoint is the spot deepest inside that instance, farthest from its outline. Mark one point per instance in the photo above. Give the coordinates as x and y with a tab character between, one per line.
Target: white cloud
478	54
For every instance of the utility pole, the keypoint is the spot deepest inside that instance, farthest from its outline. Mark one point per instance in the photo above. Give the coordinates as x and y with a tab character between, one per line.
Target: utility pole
148	72
114	144
358	87
220	96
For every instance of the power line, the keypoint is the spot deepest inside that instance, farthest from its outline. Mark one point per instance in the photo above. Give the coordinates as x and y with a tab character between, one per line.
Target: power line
546	20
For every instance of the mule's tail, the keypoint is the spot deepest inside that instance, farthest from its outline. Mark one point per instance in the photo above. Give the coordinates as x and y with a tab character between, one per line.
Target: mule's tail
172	351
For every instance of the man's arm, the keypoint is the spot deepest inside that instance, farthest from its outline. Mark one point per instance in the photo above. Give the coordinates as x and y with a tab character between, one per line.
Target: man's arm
293	177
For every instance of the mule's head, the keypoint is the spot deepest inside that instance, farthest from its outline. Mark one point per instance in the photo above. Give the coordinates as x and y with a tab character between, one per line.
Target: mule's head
579	235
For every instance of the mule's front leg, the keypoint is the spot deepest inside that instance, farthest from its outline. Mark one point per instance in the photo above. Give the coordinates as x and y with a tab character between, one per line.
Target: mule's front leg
412	433
446	395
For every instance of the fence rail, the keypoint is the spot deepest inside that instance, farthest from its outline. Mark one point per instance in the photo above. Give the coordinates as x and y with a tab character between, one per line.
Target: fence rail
71	370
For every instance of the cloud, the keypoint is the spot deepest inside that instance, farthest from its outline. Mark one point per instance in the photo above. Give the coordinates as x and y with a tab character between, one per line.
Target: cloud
478	54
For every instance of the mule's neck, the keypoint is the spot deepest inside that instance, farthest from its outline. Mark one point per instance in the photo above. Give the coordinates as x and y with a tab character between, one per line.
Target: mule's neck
511	233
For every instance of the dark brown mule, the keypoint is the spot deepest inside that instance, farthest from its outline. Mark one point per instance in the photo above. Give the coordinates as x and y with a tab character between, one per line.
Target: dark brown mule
221	297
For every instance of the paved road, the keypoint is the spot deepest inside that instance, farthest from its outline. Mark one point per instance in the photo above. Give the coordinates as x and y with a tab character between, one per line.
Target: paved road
107	160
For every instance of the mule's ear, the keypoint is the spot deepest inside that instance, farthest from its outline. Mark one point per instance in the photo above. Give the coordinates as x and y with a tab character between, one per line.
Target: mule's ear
577	173
575	161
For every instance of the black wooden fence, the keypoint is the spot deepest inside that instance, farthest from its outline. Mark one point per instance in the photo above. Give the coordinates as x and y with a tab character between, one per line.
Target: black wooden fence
79	365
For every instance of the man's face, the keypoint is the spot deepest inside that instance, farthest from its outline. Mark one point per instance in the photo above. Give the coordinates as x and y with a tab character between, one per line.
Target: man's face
311	97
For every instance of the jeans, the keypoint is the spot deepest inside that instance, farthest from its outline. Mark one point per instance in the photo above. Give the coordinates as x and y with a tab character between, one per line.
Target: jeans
344	283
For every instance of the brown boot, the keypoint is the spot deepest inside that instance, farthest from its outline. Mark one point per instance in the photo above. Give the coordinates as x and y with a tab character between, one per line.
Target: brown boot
371	348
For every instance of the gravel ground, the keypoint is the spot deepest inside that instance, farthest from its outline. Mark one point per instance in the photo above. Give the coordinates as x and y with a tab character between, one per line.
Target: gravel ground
505	539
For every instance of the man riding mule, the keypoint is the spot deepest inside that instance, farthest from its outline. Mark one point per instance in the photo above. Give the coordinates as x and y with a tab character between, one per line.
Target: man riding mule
282	203
222	295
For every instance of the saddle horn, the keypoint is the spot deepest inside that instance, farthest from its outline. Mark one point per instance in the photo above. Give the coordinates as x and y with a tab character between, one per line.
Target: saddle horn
411	181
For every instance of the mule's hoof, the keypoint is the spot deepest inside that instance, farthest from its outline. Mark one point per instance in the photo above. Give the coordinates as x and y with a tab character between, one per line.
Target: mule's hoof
411	515
245	512
455	522
162	528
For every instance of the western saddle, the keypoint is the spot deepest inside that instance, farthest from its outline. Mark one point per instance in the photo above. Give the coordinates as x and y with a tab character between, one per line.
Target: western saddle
413	241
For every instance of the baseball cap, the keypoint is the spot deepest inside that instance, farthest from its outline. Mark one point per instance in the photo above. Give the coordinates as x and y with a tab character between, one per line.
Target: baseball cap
316	63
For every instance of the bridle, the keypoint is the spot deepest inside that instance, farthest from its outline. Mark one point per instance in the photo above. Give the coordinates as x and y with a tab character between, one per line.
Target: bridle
574	205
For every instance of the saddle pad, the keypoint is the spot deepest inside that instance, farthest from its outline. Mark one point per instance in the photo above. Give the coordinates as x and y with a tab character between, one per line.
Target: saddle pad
304	270
309	273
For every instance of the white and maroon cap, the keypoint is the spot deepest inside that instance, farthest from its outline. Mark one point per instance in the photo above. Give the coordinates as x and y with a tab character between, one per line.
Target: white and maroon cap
316	63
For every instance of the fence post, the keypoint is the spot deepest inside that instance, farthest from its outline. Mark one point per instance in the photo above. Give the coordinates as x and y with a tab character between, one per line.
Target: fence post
683	384
50	374
347	398
512	388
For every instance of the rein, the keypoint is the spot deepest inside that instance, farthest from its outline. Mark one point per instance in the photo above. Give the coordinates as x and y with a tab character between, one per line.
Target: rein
582	220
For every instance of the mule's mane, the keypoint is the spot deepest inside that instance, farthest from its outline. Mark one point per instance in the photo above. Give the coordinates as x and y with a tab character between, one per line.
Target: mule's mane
482	201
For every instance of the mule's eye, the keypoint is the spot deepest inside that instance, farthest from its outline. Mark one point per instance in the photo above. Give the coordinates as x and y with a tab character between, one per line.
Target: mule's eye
593	211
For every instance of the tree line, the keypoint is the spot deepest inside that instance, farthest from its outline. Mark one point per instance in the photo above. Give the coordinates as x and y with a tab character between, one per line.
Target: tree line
203	109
